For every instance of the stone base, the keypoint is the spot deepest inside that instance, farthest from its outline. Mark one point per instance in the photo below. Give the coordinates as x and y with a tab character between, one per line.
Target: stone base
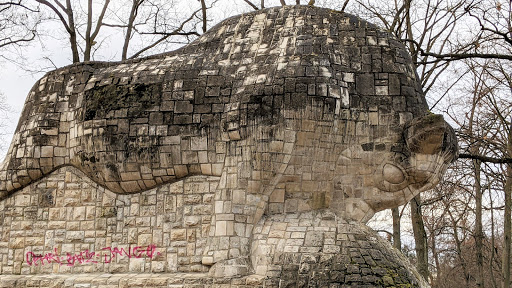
318	249
160	280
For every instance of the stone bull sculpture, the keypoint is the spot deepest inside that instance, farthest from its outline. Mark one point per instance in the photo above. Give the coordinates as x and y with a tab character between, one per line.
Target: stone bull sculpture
295	109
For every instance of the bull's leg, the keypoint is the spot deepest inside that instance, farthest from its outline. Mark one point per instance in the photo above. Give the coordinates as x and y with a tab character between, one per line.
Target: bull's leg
230	232
248	178
239	203
230	235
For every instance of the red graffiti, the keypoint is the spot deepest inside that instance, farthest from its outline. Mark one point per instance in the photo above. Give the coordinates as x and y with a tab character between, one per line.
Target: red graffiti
80	258
136	252
86	256
33	259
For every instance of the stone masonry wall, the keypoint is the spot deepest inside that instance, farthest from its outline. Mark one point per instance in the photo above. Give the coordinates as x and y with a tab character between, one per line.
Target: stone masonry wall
69	224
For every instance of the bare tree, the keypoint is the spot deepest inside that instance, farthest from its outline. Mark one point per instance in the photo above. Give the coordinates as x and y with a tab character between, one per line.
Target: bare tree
18	27
152	23
430	30
66	14
149	20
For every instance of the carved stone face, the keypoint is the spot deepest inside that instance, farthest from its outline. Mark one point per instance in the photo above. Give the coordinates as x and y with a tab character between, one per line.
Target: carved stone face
330	167
430	146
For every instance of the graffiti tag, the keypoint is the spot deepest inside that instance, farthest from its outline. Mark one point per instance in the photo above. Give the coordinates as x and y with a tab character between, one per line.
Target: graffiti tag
83	257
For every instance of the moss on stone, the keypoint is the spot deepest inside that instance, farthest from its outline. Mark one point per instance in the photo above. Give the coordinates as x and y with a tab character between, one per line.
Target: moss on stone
137	98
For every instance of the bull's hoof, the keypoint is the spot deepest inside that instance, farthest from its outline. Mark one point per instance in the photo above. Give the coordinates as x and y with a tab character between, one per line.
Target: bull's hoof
230	268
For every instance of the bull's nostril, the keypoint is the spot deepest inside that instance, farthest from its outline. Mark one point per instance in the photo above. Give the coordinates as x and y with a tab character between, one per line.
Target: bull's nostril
393	174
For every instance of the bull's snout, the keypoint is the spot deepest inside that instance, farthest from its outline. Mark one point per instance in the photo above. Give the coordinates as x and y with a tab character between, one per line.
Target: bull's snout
431	146
431	135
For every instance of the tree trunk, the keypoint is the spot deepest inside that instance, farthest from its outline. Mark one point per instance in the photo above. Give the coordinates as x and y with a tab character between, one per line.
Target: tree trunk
88	40
493	245
479	235
74	47
72	32
282	2
262	4
397	242
203	9
420	237
435	256
458	248
412	48
507	214
133	15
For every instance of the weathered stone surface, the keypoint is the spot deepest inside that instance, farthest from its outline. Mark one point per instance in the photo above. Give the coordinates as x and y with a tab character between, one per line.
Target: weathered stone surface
283	111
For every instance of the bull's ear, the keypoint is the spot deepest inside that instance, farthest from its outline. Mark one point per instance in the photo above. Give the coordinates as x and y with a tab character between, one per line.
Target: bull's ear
428	134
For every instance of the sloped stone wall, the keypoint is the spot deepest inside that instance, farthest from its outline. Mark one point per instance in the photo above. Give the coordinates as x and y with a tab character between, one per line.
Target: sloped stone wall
317	249
68	224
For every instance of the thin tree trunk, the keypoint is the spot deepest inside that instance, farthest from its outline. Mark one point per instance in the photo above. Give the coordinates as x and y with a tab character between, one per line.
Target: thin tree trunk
479	236
475	150
412	48
282	2
262	4
297	2
88	40
493	244
203	9
397	242
420	237
435	255
458	249
72	32
133	15
507	214
252	5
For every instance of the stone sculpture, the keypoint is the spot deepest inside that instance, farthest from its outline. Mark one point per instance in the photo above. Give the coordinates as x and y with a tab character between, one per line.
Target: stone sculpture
299	111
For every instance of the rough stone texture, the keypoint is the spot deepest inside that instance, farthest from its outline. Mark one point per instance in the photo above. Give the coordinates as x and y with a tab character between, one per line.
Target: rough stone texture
287	113
315	249
81	216
309	249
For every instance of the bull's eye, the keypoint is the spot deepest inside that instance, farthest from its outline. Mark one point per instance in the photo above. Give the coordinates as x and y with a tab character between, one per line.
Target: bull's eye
393	174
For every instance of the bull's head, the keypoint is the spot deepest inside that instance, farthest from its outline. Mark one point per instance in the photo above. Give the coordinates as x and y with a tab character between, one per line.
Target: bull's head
417	162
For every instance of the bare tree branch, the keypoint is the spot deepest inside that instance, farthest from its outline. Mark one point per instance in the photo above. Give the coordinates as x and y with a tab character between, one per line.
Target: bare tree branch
57	12
176	31
485	158
252	5
18	3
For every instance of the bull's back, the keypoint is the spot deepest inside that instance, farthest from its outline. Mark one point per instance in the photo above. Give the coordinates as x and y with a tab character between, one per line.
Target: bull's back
133	125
